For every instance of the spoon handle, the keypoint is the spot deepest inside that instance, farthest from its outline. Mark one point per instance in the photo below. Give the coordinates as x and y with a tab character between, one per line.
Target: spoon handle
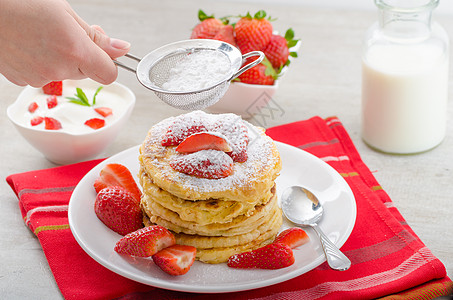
335	258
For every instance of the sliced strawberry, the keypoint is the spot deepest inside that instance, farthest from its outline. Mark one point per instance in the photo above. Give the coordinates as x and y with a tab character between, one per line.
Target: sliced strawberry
52	124
293	237
36	120
182	127
53	88
104	111
204	141
211	164
118	210
33	107
117	175
176	259
226	34
272	256
234	129
95	123
52	102
146	241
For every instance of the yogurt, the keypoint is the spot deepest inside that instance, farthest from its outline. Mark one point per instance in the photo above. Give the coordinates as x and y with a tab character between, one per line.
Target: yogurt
404	97
71	116
198	70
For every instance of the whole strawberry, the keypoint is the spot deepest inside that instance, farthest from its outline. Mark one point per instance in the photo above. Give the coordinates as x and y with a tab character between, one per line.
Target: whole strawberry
145	242
277	50
226	34
272	256
118	210
253	33
208	27
262	73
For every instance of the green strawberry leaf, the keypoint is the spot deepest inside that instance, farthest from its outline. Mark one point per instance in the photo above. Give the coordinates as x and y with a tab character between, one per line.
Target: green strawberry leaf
289	35
225	20
203	16
260	15
270	71
293	54
292	43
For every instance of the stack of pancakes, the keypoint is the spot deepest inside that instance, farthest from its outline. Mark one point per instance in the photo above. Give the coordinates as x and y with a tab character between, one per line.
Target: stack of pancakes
220	217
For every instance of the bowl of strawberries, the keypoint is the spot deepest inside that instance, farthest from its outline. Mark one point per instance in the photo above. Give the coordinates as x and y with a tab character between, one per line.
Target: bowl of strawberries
253	89
72	120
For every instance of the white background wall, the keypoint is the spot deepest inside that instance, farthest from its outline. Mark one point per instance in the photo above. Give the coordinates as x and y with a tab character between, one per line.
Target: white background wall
445	6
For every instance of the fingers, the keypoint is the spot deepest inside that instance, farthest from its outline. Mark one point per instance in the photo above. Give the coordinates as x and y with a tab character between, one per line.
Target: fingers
113	47
66	47
98	64
18	78
95	62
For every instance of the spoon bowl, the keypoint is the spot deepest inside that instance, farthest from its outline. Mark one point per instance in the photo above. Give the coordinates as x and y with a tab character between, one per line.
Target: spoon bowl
303	208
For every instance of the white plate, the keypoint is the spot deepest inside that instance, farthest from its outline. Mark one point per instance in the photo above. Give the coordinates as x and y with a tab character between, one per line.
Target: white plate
299	167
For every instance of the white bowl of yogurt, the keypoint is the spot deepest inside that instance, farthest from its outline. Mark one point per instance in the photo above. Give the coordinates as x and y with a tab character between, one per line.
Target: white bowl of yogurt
75	141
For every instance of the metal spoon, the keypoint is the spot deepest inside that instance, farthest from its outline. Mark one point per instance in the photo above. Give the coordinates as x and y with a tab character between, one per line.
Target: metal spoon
302	208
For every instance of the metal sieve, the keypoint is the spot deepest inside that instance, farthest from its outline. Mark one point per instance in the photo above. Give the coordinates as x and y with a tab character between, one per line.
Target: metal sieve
153	71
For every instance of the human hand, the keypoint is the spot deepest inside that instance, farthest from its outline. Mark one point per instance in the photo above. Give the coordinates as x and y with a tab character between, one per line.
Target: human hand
45	40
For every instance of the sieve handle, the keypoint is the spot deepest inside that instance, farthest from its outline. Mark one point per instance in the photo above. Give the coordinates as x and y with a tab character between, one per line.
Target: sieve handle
249	65
131	56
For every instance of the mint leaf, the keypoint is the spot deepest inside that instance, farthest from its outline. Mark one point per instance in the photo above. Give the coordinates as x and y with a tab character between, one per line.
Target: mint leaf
95	94
81	98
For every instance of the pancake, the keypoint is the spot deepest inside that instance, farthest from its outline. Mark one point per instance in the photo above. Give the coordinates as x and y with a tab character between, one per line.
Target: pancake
220	215
201	212
220	254
239	225
247	183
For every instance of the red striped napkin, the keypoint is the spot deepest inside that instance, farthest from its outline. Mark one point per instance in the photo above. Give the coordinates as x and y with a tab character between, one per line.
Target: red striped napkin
387	257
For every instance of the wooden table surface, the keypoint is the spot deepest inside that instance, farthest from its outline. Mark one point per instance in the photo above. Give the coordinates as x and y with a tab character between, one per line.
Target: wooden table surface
325	80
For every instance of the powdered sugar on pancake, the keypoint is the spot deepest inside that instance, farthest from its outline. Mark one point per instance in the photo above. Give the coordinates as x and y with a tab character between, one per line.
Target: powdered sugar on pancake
181	127
229	126
232	127
212	164
259	151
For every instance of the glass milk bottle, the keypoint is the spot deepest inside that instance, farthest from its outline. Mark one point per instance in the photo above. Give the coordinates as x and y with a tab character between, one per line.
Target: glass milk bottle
404	78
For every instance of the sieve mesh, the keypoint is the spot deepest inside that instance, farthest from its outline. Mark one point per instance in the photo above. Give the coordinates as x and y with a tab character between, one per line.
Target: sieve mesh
153	71
195	100
159	74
